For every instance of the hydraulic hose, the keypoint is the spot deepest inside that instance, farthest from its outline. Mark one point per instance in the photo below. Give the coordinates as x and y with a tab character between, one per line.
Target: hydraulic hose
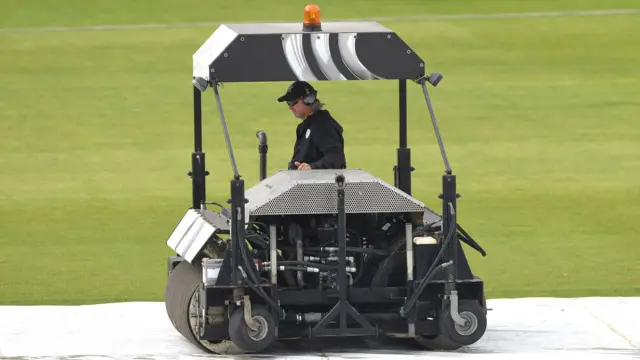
427	277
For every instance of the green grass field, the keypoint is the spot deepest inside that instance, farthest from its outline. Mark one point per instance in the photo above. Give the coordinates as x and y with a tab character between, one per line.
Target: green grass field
540	117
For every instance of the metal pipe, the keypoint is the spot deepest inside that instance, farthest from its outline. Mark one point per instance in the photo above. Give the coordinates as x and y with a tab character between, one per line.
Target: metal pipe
226	132
333	250
410	285
299	257
315	317
263	148
273	254
409	247
436	129
455	315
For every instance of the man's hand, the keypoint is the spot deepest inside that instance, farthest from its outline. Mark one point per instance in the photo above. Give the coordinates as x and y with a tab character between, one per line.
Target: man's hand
302	166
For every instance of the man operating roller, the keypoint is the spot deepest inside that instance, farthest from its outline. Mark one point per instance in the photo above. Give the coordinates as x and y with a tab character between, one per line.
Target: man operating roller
319	141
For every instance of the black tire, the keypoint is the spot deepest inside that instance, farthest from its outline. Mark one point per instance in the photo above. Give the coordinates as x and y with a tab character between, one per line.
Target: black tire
182	284
471	311
246	339
438	342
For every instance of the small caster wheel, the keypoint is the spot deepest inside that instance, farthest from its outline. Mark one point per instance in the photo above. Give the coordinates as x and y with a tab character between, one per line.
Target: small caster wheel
474	327
252	340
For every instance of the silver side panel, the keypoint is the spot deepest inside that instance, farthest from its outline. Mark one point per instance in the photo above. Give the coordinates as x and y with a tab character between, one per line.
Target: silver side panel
314	192
194	230
212	49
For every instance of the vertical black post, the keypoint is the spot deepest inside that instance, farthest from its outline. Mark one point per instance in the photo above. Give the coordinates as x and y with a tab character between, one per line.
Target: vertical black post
342	251
403	169
402	108
197	119
342	308
237	228
449	222
197	172
262	150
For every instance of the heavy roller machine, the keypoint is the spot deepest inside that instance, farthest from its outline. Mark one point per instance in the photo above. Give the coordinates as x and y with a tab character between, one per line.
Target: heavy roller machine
305	254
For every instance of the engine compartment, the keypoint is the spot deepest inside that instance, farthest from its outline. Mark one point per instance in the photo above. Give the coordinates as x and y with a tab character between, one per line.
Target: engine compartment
307	248
362	251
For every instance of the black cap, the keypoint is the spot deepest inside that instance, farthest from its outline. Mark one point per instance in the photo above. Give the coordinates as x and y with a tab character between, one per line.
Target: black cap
297	90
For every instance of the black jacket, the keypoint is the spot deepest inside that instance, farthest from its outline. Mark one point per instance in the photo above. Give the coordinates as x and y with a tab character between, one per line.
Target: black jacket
319	143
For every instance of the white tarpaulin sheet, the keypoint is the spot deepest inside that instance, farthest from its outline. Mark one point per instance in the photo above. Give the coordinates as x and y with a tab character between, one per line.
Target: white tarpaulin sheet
533	328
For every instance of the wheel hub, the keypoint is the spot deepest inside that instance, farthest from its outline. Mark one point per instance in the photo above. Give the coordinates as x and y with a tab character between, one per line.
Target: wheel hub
194	319
261	328
470	324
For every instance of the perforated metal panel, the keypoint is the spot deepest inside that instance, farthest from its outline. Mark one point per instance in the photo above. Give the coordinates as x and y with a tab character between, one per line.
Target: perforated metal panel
315	192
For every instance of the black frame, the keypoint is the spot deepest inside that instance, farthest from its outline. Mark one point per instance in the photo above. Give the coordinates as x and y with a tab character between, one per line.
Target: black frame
412	299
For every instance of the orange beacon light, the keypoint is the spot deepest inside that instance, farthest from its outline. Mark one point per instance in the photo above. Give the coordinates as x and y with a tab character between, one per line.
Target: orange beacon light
311	21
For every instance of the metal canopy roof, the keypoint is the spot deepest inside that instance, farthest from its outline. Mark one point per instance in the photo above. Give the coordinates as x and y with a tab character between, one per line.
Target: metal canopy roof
361	50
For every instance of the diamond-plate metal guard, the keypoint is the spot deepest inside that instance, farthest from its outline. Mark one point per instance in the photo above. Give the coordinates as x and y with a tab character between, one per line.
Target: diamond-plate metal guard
314	192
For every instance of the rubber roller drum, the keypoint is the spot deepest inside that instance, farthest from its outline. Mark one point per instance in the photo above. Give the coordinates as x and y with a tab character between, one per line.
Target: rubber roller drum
182	284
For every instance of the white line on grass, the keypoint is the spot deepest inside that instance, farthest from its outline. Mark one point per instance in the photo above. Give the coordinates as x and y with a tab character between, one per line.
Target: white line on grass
391	18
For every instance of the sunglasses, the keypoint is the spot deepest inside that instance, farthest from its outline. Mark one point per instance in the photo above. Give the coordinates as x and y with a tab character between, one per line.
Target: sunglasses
292	102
